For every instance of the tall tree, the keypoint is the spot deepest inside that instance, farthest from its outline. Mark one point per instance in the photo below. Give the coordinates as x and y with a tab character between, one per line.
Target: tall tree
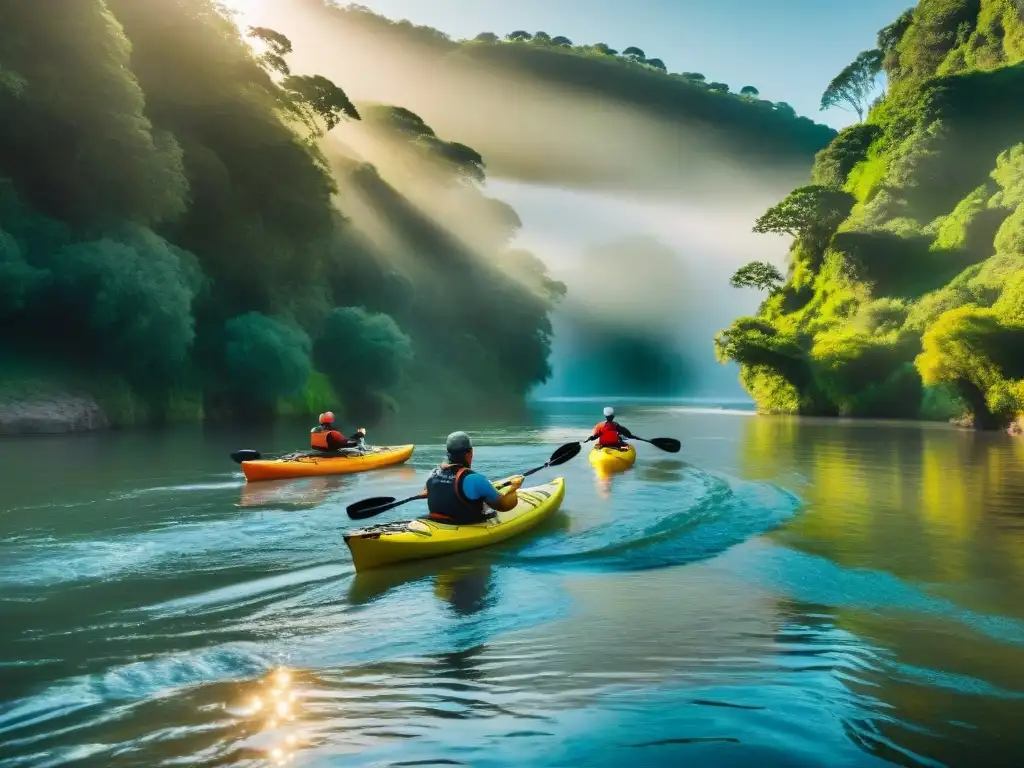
808	211
749	90
322	97
278	46
851	89
757	274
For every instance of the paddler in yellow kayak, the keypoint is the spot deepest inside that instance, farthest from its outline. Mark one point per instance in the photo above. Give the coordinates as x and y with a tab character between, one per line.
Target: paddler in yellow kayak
609	433
325	439
457	495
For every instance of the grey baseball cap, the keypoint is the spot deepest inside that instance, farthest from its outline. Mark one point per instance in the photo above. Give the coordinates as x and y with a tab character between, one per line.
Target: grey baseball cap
458	443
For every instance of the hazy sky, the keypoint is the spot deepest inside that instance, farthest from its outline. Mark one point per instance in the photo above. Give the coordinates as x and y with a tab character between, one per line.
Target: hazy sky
788	49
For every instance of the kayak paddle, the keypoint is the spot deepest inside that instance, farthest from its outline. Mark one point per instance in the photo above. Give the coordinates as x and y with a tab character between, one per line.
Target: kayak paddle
669	444
374	506
246	455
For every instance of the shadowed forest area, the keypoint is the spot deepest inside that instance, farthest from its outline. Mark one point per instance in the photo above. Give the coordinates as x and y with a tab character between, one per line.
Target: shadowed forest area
905	290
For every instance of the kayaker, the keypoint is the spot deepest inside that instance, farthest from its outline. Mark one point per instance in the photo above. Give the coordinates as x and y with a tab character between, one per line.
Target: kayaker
609	433
324	438
456	494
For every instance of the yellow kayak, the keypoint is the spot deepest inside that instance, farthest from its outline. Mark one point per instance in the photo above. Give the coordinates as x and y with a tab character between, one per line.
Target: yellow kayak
613	459
418	539
305	465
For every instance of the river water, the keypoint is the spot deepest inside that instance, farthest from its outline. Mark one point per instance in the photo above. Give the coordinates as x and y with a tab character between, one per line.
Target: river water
781	593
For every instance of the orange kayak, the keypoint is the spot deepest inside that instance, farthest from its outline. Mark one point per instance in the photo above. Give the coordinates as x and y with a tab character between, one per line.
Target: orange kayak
304	465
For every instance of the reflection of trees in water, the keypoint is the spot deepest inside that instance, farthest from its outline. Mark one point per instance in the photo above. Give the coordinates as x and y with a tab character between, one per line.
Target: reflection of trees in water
928	504
467	589
932	507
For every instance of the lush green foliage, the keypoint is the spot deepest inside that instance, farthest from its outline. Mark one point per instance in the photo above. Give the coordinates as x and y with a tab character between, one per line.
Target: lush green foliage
264	360
359	350
915	295
168	214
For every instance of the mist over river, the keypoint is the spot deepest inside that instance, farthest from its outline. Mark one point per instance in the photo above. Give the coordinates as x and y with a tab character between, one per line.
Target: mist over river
782	592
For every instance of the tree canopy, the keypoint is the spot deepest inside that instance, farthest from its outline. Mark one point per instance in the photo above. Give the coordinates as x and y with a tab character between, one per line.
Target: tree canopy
852	88
806	211
757	274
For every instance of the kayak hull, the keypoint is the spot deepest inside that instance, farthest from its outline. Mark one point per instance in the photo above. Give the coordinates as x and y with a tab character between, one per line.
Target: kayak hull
613	459
318	466
391	543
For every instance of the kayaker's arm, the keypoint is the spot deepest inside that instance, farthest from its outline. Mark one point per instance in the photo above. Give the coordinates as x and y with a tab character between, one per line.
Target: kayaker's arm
507	501
623	431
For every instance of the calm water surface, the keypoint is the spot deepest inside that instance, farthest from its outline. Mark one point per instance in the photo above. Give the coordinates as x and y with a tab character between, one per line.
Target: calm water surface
780	593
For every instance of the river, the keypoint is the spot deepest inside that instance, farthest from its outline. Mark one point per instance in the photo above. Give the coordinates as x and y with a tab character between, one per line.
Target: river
783	592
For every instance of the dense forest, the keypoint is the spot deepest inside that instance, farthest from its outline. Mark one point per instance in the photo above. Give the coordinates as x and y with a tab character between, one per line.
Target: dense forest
178	234
543	108
904	295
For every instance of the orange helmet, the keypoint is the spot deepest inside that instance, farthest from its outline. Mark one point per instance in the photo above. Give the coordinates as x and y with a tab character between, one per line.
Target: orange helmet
327	417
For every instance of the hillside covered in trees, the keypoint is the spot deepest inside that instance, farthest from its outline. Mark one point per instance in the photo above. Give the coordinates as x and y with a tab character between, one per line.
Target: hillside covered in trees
543	108
178	240
905	288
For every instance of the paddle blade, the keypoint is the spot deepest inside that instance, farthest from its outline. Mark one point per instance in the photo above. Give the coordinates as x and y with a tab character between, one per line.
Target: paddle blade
564	453
245	455
368	507
669	444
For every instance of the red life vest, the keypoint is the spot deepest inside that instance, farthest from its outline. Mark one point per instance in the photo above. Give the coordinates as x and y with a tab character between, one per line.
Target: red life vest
607	433
321	439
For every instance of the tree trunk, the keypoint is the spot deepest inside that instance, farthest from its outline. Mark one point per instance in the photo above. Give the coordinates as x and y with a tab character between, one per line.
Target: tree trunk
983	417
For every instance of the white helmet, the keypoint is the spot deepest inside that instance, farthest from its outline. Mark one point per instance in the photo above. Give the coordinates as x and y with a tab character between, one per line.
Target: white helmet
609	412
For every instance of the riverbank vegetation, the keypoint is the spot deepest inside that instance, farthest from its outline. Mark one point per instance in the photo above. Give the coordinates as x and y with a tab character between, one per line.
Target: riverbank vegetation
905	288
172	219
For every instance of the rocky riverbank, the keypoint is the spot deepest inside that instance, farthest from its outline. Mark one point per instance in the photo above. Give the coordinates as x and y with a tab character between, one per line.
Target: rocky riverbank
51	414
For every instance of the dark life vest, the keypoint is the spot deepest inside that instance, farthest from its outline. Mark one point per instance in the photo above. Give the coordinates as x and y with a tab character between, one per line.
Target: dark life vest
446	500
321	439
608	433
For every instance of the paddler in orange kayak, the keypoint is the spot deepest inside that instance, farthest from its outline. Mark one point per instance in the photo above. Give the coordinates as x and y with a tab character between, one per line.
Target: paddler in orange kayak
324	438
